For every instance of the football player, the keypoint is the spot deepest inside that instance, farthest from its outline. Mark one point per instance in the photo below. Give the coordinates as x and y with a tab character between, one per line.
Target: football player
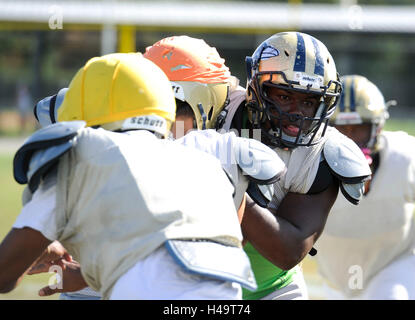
292	90
367	252
269	169
124	203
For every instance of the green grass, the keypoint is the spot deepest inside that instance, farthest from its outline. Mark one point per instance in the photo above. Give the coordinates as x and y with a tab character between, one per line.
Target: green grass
10	204
407	125
10	195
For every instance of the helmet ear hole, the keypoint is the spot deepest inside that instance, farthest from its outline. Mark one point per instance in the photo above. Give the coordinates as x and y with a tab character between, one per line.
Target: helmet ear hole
210	114
286	53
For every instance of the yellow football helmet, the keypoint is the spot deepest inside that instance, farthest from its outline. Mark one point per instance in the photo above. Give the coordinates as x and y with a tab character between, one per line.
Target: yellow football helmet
121	91
361	102
291	61
197	73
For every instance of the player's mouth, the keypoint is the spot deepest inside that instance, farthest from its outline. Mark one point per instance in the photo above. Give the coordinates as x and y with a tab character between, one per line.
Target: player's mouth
291	130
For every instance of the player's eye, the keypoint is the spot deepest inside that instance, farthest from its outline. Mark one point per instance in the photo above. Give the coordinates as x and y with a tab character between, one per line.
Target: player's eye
309	103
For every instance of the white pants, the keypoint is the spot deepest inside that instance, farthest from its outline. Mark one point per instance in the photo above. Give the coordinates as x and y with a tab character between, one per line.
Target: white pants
159	277
84	294
296	290
395	282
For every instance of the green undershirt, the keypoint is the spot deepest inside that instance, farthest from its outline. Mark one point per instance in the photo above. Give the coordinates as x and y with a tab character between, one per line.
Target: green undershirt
268	277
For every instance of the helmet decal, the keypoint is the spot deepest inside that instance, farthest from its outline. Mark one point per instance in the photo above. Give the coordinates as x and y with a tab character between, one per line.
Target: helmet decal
180	67
269	52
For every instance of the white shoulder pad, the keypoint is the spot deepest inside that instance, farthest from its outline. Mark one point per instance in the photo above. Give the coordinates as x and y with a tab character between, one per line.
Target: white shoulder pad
345	159
42	150
258	162
353	192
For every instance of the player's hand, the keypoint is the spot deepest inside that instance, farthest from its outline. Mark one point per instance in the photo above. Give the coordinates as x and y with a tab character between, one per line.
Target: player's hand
71	280
54	254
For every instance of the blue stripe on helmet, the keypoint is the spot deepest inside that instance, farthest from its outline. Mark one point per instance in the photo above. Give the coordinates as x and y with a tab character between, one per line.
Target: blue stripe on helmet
299	64
319	66
352	96
341	102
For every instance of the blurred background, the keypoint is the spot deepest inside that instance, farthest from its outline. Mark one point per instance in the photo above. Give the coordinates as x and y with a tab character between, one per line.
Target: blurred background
44	43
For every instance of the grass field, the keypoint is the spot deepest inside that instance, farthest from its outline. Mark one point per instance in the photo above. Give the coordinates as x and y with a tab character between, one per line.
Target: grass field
407	125
10	205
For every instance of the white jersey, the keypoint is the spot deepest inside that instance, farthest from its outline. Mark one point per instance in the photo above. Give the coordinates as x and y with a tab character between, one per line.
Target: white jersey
368	237
302	162
302	166
118	197
220	146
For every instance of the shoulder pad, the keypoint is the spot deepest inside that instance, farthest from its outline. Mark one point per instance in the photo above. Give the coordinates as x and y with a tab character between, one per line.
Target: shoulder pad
41	151
258	162
353	192
261	194
345	159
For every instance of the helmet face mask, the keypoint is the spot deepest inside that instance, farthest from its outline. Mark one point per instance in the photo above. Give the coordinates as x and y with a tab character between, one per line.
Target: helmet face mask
298	64
308	123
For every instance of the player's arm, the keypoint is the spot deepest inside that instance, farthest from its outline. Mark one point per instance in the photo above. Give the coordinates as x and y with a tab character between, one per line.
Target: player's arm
241	209
287	235
19	249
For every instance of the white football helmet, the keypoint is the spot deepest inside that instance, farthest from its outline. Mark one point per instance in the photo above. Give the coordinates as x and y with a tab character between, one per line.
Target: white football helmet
295	62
